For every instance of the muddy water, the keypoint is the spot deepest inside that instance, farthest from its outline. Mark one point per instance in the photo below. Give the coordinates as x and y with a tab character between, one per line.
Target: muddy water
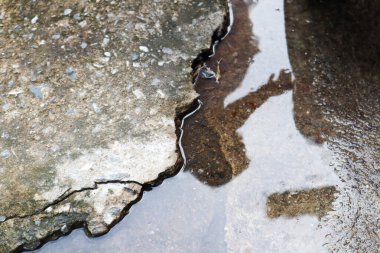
218	154
272	55
267	156
334	51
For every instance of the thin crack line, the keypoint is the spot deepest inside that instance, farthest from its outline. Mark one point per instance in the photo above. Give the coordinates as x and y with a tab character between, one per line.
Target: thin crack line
182	132
63	197
230	20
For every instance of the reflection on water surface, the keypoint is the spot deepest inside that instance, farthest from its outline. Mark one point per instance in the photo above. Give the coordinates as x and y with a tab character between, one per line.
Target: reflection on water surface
276	187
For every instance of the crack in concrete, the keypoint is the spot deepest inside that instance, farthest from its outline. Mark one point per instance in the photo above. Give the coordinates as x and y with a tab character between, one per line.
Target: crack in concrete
65	196
182	112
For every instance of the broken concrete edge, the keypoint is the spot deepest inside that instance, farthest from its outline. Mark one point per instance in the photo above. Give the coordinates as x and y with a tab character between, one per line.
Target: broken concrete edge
218	35
64	196
181	114
59	232
133	137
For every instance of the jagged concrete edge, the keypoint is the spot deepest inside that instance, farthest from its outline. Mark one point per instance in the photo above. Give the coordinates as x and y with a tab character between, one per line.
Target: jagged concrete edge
181	112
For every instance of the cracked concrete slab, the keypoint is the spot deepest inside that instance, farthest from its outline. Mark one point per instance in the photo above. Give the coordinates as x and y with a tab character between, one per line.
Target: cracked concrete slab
89	93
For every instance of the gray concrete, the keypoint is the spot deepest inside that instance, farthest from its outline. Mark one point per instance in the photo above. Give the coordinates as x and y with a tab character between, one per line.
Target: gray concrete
323	133
88	96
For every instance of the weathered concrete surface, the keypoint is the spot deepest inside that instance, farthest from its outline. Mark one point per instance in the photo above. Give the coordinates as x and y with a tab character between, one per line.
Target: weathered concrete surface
283	201
89	94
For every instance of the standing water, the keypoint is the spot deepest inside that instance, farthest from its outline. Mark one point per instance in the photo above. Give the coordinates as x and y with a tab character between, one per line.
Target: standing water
234	202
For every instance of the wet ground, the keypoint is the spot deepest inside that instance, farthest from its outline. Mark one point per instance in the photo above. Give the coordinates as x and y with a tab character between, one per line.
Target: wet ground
218	153
334	51
88	92
280	158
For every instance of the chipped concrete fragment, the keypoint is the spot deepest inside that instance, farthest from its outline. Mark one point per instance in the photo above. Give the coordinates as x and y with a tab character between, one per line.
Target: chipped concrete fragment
89	115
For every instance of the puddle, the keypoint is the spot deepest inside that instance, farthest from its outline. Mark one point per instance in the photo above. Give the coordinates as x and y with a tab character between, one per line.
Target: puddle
181	215
282	160
269	32
218	154
251	149
334	51
185	215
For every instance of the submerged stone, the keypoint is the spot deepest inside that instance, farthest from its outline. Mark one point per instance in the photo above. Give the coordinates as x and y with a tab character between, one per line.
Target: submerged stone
81	150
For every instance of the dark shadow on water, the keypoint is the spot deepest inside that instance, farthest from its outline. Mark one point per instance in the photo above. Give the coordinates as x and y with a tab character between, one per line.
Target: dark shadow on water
185	215
214	151
335	53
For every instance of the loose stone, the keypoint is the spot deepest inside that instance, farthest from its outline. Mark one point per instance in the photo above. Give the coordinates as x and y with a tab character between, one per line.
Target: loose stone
67	12
34	20
135	56
56	36
144	49
83	24
77	16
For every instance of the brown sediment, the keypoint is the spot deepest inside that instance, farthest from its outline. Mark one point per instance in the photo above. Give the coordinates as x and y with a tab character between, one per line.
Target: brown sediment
316	202
213	148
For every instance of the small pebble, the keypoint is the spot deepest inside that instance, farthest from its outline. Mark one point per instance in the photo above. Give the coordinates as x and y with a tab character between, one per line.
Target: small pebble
34	20
96	108
17	28
167	50
108	54
106	40
77	17
155	82
56	36
144	49
134	56
37	91
70	71
84	45
67	12
208	73
83	23
5	153
64	229
104	60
